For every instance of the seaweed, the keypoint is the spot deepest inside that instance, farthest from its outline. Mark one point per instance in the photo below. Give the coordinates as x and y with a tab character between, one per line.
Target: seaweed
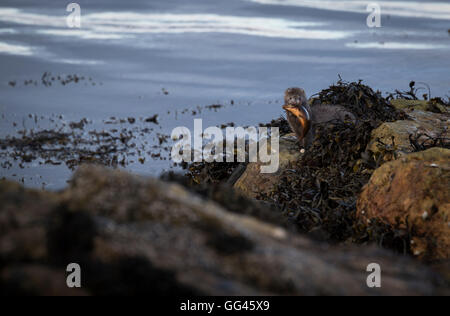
411	94
321	189
421	141
435	105
213	173
360	99
153	119
74	143
281	123
48	79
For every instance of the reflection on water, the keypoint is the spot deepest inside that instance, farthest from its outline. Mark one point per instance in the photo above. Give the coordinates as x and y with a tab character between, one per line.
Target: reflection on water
82	34
15	49
118	25
79	61
432	10
7	31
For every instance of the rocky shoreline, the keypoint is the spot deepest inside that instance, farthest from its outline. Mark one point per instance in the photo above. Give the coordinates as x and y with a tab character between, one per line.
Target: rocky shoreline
401	187
133	235
377	191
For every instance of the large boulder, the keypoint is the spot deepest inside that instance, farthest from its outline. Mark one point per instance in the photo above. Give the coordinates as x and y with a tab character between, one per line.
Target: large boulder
254	184
392	140
132	235
413	194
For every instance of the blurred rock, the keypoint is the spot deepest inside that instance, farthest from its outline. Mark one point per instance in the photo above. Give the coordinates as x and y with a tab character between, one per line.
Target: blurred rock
413	194
253	183
133	235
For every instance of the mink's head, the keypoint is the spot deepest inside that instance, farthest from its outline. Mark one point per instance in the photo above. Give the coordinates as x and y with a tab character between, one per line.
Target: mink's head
295	97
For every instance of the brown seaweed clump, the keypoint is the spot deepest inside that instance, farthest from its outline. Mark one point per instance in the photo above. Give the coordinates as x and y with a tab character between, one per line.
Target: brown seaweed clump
360	99
212	173
319	192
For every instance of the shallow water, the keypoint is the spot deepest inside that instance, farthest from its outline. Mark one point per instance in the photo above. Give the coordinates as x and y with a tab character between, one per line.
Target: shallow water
162	57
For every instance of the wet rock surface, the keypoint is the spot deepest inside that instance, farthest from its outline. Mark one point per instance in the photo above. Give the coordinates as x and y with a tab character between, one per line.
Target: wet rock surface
413	194
132	235
423	129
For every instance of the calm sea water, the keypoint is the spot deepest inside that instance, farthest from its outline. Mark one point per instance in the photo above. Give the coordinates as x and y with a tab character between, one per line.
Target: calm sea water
168	57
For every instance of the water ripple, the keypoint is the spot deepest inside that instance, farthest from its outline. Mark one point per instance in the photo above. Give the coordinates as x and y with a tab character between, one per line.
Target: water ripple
118	25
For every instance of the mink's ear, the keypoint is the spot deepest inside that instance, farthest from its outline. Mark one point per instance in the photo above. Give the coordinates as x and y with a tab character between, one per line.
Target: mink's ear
287	95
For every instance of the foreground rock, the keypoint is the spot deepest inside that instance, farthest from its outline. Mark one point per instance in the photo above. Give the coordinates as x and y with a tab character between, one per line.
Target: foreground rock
426	128
141	236
413	194
255	184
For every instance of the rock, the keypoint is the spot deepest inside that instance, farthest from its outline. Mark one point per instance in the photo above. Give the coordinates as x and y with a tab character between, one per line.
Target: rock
413	194
253	183
396	135
132	235
423	105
